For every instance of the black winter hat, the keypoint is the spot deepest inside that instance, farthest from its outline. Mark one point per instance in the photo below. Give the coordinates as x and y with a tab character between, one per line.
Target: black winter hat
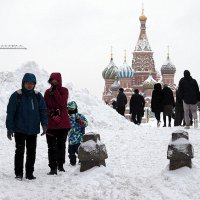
186	73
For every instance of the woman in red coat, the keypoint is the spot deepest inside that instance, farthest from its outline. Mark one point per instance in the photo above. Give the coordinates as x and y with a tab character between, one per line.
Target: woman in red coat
58	122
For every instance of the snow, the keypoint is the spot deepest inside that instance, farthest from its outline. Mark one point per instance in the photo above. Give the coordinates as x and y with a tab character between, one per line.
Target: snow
137	164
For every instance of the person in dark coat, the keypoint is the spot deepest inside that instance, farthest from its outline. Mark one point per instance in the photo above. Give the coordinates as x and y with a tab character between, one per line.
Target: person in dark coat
188	90
137	104
168	104
121	102
179	112
25	111
58	122
156	102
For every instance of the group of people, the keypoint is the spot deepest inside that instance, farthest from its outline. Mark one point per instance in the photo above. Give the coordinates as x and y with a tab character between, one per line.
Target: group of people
183	110
137	104
27	109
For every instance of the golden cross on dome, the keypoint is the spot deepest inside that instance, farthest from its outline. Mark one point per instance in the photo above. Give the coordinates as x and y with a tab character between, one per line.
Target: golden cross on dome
168	51
125	55
111	53
142	8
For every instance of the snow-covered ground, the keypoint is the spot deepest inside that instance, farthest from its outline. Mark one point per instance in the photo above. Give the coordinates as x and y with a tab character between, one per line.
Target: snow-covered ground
137	165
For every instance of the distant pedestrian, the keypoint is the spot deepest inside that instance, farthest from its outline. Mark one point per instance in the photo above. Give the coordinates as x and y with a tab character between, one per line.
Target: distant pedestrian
189	92
78	123
157	102
121	102
168	104
137	104
25	111
56	98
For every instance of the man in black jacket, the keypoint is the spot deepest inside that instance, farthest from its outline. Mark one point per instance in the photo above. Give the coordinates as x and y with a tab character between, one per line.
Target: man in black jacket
137	104
189	92
121	102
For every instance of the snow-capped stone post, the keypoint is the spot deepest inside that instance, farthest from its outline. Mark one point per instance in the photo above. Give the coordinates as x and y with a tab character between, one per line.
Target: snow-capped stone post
91	152
180	151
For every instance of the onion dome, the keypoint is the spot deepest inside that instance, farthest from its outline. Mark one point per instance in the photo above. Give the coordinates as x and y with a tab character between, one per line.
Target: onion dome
110	72
168	67
115	86
149	82
142	18
125	71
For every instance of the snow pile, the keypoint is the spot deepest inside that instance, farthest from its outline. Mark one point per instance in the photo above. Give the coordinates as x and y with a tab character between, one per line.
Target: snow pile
136	168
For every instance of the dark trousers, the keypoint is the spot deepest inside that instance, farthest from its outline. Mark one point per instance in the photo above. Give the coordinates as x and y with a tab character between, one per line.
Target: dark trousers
31	142
56	148
136	117
73	150
157	116
121	110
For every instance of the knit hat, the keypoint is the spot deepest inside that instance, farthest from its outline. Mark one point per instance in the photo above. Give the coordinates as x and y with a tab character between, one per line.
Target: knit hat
72	105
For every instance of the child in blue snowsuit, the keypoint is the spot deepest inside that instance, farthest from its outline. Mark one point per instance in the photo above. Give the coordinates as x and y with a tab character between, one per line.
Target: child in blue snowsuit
78	123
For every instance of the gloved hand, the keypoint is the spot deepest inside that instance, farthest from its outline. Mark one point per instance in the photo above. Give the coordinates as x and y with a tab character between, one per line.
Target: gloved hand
52	89
57	119
9	134
44	128
81	123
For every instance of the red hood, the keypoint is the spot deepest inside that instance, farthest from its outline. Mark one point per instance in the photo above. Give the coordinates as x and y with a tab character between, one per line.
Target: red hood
57	76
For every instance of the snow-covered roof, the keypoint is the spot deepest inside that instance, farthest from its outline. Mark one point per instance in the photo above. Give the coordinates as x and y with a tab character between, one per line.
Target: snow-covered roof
149	82
168	67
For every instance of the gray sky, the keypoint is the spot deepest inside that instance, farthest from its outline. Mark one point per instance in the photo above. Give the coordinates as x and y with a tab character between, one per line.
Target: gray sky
74	36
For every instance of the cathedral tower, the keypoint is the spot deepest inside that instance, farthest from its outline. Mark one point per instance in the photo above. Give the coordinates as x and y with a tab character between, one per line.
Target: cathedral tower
143	62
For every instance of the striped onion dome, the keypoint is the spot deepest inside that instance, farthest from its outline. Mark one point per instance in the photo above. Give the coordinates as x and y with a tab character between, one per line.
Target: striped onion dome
125	71
110	72
168	67
149	82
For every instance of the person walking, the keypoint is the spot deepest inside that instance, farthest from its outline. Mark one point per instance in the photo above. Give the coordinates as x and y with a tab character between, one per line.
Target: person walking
58	123
137	104
157	102
25	111
168	104
188	90
121	102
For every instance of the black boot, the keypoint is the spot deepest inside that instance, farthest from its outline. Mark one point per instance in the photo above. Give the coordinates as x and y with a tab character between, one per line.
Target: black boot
60	168
19	177
52	172
30	176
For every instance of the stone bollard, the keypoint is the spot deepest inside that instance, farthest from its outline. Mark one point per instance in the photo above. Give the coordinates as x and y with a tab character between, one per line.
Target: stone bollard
91	152
180	151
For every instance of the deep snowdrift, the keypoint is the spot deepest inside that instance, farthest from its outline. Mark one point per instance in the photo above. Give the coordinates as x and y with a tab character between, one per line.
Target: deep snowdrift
137	167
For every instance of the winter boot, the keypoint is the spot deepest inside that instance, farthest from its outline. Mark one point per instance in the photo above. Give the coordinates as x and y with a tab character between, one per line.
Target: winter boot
164	125
169	125
186	127
195	123
60	168
30	176
52	172
19	177
158	123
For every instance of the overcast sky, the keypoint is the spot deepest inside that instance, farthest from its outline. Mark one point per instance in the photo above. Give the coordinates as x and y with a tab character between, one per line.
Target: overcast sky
74	36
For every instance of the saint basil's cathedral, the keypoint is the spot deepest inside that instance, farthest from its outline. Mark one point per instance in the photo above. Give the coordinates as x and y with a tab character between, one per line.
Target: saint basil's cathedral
141	75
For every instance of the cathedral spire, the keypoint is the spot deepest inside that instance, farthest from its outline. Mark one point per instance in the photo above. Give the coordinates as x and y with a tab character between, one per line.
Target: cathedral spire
168	52
125	55
143	43
111	53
